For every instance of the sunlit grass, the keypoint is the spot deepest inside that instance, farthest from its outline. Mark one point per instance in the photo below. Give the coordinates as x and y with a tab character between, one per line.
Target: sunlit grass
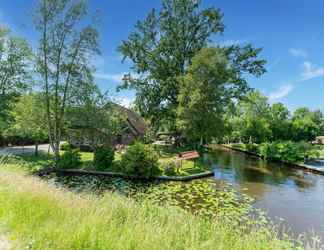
40	216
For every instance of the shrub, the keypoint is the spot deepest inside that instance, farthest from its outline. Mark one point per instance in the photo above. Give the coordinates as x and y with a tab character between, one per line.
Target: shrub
140	160
65	146
70	159
287	151
103	158
253	148
171	168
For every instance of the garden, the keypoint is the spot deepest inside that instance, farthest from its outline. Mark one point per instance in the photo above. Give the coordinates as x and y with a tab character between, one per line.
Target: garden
137	160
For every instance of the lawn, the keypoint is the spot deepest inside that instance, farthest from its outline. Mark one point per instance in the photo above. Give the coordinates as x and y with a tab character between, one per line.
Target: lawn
167	156
36	215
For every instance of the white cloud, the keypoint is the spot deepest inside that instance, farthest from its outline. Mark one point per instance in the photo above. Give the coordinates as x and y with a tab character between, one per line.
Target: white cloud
297	52
125	101
311	71
110	77
283	91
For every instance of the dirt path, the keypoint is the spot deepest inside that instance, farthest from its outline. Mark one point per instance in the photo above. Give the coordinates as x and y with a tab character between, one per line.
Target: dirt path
4	243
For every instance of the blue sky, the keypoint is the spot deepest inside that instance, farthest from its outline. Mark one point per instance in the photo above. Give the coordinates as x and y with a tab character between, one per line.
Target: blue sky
289	31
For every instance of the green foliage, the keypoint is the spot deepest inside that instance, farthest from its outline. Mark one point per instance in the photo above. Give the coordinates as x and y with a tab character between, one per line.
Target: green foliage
280	123
95	120
103	158
162	48
65	146
66	44
171	168
287	151
15	71
251	147
70	159
305	124
29	119
140	160
253	119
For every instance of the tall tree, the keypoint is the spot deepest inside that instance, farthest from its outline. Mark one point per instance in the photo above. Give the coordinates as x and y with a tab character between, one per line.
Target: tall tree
213	81
15	71
161	48
305	126
65	47
253	113
280	124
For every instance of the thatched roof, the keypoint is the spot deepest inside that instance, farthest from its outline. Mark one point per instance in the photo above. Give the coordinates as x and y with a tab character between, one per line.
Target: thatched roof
135	122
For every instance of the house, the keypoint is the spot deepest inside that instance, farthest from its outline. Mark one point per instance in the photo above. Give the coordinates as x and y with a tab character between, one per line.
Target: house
319	140
134	128
83	136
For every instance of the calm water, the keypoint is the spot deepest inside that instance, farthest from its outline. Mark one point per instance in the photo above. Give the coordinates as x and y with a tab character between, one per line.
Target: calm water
291	196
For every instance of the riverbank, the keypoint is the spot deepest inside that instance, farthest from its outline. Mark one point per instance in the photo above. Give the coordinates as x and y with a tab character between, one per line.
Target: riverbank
40	216
121	175
316	166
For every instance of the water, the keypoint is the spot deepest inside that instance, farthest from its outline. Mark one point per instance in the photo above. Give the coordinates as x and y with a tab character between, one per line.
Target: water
292	197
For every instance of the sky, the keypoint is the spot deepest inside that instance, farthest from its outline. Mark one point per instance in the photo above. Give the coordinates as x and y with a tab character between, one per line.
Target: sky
291	33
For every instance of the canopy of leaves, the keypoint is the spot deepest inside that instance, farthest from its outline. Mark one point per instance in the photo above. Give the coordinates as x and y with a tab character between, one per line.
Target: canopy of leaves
161	49
65	48
15	72
29	118
213	81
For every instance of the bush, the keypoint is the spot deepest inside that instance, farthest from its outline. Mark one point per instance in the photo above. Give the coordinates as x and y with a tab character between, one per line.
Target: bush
65	146
171	168
70	159
140	160
253	148
287	151
103	158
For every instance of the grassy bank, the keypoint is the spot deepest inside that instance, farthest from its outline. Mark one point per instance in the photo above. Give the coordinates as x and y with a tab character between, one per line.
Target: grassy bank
285	151
37	215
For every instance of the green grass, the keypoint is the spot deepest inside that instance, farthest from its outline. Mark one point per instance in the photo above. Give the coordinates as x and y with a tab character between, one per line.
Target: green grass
36	215
166	155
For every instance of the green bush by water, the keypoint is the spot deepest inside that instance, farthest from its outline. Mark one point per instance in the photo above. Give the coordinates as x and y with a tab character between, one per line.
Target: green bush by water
140	160
71	158
103	158
288	151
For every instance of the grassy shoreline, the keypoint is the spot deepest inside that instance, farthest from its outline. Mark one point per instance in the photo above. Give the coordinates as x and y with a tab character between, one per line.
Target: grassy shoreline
41	216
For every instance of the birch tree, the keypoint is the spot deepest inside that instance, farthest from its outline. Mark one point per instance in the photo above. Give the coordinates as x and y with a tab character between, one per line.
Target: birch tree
66	44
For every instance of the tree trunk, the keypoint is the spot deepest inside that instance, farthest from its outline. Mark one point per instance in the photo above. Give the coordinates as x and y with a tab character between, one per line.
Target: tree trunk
56	151
36	149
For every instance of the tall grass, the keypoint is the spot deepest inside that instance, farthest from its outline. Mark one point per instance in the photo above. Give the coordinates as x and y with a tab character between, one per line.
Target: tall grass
40	216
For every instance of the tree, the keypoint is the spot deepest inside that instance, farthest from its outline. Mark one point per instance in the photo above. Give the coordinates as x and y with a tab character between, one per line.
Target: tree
15	73
213	80
95	119
161	48
253	113
65	47
304	125
280	124
29	119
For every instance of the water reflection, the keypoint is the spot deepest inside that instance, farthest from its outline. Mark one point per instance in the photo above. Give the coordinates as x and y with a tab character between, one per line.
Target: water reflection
292	194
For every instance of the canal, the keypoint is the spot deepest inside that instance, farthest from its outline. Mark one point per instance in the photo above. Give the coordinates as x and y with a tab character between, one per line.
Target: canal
292	197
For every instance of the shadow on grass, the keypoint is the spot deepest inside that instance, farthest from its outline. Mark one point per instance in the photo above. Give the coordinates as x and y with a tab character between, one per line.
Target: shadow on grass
30	162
